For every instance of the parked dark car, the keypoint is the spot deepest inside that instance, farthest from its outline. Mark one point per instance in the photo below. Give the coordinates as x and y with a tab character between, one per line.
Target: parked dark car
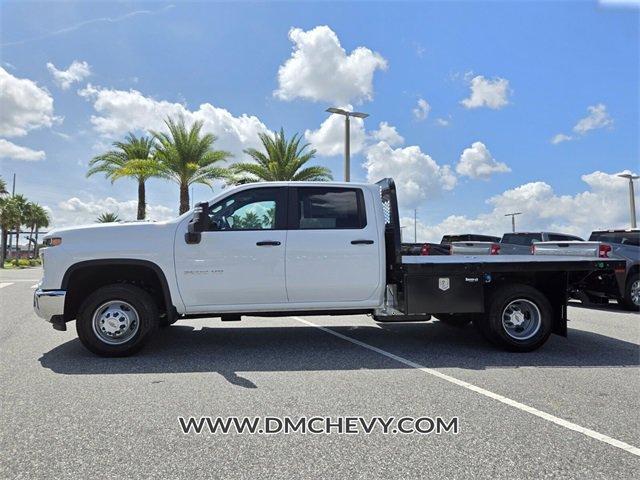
519	243
425	249
469	237
625	245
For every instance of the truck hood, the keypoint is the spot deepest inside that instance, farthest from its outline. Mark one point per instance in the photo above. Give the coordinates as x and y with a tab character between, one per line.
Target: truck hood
99	229
117	240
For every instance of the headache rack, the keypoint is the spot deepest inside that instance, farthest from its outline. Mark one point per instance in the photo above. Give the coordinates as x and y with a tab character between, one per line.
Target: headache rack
392	236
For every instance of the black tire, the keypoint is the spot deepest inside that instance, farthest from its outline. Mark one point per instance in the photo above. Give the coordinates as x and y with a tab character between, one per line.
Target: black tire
144	307
458	320
627	302
495	331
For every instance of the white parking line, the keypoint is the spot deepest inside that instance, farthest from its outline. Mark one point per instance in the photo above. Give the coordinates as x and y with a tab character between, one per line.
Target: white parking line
512	403
2	285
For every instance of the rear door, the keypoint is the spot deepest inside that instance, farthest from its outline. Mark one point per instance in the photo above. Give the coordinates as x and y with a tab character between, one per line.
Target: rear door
332	246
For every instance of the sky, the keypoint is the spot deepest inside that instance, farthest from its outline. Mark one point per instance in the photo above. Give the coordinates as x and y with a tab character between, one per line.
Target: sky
477	109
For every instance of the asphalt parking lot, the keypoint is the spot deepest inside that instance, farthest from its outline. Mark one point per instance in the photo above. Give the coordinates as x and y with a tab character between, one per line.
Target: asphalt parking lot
69	414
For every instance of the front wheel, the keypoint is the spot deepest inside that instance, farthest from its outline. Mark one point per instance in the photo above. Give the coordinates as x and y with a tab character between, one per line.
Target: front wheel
116	320
520	318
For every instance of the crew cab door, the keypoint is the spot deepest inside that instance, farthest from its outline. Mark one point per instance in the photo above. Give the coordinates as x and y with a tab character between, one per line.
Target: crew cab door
240	258
333	252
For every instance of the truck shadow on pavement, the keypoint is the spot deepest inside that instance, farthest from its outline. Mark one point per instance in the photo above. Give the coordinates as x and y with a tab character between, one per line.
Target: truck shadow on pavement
229	351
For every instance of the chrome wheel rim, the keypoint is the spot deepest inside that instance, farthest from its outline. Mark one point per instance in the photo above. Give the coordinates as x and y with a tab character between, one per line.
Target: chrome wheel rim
521	319
115	322
635	293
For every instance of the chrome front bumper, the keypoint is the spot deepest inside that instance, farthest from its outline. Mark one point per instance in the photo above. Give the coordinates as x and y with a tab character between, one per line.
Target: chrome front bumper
49	303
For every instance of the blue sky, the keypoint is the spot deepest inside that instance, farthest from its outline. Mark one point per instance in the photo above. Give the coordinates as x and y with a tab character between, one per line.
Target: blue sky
538	69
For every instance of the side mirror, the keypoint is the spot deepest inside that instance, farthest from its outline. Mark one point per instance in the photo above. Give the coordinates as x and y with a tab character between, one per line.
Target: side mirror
199	223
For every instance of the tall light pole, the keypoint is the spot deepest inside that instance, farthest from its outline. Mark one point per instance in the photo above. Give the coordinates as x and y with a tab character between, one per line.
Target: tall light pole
415	223
347	137
513	219
632	200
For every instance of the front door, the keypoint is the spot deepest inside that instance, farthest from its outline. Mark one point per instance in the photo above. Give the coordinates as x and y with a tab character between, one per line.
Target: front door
241	259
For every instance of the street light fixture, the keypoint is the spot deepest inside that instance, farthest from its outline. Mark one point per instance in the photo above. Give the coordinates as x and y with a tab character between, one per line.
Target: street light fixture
347	137
513	220
632	200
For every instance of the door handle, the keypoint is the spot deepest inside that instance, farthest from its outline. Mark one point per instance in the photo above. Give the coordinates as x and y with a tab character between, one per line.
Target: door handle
361	242
267	243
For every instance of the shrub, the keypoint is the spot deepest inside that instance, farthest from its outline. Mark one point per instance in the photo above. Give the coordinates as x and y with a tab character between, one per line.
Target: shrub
23	262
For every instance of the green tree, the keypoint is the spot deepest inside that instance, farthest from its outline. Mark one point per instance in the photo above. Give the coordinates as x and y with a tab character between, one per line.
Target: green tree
108	217
281	160
133	158
20	203
10	214
3	187
41	220
29	221
187	157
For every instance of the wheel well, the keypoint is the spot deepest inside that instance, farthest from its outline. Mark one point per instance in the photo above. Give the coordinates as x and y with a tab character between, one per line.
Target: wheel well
552	285
83	279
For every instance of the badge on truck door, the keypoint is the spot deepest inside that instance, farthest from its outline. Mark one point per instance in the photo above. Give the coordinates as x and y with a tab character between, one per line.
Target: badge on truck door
443	284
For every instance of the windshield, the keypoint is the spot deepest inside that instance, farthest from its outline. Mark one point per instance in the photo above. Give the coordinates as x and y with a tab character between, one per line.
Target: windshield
521	238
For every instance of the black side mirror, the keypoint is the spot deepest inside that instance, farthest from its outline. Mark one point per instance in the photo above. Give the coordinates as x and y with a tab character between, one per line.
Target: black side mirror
199	223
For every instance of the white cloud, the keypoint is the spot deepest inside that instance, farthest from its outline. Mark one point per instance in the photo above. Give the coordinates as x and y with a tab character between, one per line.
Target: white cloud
319	69
416	174
388	134
491	93
477	162
598	118
120	111
24	106
11	151
76	72
328	140
421	111
74	211
602	205
561	137
443	122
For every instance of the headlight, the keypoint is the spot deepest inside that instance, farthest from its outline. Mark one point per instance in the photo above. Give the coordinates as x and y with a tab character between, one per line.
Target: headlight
52	241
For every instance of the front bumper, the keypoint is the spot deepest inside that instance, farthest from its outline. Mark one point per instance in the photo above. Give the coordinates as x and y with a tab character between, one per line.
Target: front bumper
49	304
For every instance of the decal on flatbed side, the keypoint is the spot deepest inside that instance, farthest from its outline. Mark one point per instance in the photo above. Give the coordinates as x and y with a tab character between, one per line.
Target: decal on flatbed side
444	284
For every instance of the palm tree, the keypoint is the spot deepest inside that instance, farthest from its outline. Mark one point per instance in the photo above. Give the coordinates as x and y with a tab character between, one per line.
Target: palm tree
41	218
19	202
108	217
30	222
10	214
133	158
282	160
3	187
186	157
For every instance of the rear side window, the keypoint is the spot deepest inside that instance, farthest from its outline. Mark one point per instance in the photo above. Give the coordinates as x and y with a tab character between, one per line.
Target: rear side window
625	238
521	238
321	208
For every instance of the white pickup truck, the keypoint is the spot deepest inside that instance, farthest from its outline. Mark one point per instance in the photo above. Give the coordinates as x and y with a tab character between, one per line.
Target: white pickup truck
291	248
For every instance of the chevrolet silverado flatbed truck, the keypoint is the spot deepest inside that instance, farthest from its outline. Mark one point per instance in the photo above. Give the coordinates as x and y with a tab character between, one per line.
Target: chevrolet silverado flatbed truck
291	248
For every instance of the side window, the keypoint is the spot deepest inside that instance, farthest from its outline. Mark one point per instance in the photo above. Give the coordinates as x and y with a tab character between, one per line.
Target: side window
256	209
330	208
